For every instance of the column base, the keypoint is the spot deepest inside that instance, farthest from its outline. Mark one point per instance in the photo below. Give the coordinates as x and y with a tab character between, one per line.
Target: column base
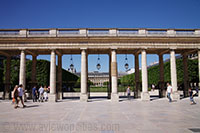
59	95
25	97
6	95
52	98
145	96
109	96
175	96
114	97
185	94
162	93
83	97
137	94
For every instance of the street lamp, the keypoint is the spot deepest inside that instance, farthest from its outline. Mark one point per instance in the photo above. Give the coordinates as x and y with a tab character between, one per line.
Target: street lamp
98	63
72	64
126	62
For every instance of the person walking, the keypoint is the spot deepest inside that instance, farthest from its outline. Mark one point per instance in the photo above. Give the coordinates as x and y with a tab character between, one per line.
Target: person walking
45	93
21	93
169	91
41	91
15	96
128	91
191	96
153	87
34	91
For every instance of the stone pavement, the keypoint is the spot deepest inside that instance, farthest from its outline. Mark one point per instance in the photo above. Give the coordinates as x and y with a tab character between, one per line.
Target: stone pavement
102	116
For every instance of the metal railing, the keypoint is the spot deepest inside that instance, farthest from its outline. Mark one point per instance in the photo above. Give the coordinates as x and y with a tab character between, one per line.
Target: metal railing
98	32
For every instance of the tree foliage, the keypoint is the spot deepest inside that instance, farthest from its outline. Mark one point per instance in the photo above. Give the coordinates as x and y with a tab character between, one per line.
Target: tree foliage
42	73
153	73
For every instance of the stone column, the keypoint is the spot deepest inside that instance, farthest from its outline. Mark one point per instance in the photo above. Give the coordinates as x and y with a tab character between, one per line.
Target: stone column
114	95
59	77
7	90
33	71
145	94
185	73
175	94
137	76
109	86
52	95
87	85
199	68
22	72
161	75
83	95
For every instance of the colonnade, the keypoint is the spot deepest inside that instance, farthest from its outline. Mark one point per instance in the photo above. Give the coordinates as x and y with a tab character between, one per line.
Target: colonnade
55	93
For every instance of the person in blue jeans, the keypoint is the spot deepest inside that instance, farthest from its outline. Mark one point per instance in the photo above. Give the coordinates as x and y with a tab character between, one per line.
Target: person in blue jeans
34	91
191	96
169	91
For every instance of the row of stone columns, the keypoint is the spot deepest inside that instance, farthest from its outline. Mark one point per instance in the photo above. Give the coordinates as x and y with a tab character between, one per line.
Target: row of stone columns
113	74
145	95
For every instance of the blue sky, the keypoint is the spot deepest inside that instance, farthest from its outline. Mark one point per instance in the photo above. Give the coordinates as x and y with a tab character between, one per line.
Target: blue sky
97	14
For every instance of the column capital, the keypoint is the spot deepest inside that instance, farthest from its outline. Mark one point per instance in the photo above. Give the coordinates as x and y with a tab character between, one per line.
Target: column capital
22	49
172	48
83	48
53	49
144	48
113	48
32	53
58	53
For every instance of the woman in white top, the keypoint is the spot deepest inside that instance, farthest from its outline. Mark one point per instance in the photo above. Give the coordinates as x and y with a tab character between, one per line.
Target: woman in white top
169	91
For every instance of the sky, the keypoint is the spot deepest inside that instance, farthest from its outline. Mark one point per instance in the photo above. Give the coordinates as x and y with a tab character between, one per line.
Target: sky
99	14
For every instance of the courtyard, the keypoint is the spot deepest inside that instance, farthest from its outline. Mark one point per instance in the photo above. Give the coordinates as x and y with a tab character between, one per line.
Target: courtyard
102	116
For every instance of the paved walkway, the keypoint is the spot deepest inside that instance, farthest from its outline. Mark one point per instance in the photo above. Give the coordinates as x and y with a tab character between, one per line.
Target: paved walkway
102	116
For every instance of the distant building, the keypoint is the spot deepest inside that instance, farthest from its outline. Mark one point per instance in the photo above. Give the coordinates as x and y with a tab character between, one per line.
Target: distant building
99	78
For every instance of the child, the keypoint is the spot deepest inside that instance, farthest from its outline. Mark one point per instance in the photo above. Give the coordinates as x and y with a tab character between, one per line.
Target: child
191	96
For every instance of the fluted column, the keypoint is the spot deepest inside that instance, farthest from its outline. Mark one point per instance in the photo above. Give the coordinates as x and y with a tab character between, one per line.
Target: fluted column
161	75
175	95
52	95
60	77
84	95
145	94
137	76
6	94
185	73
114	95
22	71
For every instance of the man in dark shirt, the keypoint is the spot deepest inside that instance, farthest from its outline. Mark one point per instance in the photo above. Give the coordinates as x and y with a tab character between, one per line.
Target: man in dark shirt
34	91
